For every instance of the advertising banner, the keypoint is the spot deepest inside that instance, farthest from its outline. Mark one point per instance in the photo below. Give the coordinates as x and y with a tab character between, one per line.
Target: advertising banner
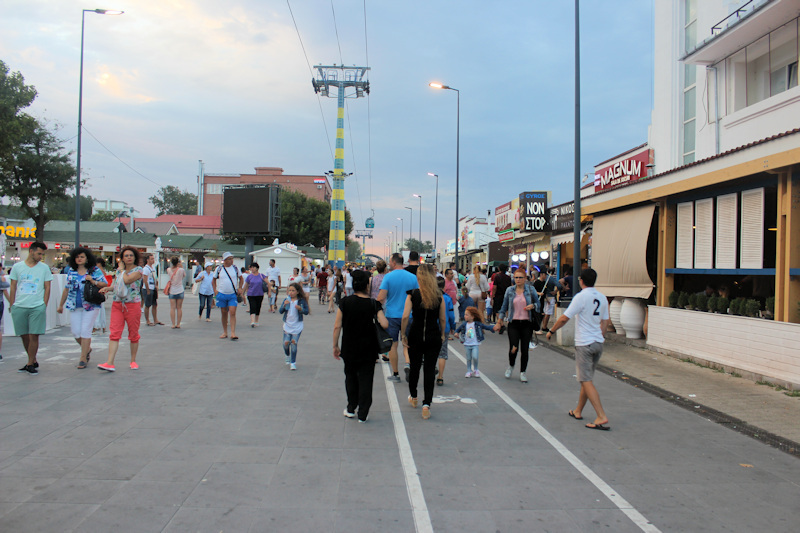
533	211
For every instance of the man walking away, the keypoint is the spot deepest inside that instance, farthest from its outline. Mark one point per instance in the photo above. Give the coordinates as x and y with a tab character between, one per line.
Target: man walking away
150	290
393	294
590	310
29	293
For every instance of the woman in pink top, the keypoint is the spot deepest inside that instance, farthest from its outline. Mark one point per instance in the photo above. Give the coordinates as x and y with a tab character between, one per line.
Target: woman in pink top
520	304
177	275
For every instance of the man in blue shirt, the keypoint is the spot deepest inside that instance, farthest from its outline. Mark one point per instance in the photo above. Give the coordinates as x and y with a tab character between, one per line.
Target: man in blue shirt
393	294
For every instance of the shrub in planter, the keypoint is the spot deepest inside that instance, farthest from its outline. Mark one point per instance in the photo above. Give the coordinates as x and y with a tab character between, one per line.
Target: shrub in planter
693	301
736	306
771	305
683	300
712	303
673	299
752	307
722	305
701	302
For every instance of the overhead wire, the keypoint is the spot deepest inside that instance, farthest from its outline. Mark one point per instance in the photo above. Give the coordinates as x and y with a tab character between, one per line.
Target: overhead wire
369	118
311	71
118	158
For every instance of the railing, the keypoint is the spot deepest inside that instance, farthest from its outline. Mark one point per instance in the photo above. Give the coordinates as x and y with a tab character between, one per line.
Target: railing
738	14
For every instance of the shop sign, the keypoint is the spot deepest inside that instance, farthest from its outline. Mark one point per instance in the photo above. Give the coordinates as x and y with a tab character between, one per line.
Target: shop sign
624	172
562	218
533	211
19	231
506	236
503	217
320	180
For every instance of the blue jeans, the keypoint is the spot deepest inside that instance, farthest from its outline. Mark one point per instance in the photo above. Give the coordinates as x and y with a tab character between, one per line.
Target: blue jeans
290	345
472	357
205	301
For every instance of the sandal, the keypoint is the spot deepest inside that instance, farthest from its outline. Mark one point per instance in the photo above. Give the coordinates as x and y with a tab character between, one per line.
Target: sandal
150	324
223	336
440	382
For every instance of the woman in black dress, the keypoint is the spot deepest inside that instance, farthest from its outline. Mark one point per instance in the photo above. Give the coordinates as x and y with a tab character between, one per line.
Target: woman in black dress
424	340
359	344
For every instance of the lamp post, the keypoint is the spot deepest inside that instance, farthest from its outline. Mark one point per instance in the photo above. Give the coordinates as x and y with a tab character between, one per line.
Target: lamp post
436	215
576	268
420	217
402	233
458	147
410	223
80	123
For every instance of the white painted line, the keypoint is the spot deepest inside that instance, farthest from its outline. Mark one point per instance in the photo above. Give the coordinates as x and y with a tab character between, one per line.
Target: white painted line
422	518
622	504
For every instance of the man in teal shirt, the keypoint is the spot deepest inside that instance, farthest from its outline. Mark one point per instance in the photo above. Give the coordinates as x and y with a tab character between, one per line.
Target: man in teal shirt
394	290
29	293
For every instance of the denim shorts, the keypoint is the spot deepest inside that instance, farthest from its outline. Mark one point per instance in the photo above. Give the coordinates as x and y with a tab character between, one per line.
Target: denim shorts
178	296
226	300
394	327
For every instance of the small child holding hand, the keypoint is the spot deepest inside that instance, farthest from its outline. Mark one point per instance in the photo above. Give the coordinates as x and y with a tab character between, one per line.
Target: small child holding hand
470	333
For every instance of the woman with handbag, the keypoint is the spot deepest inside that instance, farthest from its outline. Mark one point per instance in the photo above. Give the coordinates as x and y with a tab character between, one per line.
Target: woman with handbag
520	305
84	278
176	291
126	307
355	319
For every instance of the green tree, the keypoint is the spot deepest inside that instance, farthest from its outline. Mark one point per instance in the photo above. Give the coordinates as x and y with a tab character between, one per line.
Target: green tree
103	216
41	173
171	200
64	208
15	126
307	220
353	251
415	245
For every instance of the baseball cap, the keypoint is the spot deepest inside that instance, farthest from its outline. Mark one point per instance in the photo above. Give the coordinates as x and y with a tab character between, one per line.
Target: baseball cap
226	255
209	264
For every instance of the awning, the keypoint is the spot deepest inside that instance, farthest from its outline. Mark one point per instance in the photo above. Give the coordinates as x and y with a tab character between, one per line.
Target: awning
619	250
564	238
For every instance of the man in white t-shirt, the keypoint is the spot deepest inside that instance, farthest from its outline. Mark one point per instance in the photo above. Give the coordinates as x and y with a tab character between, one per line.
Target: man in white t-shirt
227	284
274	274
590	309
150	290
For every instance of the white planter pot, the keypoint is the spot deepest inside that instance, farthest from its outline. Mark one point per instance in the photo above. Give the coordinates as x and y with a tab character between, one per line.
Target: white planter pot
632	317
614	309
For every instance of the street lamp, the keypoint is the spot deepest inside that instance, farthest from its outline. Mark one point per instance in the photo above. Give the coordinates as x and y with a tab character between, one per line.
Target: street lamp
80	123
458	147
436	216
402	233
420	217
410	223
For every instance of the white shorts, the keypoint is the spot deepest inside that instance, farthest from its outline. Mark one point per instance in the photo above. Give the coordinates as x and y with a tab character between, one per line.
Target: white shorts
550	306
82	322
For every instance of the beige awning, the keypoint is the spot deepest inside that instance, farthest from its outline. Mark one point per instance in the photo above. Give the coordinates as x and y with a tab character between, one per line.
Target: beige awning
619	250
563	238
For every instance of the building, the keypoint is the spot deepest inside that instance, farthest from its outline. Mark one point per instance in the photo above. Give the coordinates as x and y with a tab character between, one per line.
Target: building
316	187
716	208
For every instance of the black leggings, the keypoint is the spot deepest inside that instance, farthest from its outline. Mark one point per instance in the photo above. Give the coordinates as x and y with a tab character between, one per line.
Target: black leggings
519	335
418	356
255	304
358	376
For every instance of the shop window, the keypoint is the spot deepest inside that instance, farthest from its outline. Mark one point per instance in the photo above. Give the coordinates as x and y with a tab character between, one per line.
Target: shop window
727	213
704	233
751	231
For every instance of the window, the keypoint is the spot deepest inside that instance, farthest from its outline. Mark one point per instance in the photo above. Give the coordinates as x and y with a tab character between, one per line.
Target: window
214	188
689	83
783	58
758	70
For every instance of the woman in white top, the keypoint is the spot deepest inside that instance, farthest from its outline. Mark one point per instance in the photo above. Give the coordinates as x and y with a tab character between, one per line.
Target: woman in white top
478	287
175	287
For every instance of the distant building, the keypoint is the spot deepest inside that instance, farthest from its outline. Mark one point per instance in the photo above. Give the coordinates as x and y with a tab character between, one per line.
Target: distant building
316	187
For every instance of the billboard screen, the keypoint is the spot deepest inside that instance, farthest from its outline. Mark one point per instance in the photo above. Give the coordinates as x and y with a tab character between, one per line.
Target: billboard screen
251	210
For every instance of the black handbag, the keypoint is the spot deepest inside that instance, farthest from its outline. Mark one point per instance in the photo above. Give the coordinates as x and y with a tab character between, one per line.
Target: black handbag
384	339
92	294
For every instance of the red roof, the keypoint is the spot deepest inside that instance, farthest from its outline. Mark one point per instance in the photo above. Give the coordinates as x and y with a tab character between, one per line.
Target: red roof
184	223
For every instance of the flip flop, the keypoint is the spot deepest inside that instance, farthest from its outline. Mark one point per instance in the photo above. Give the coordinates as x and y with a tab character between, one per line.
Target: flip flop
223	336
159	323
234	338
598	426
440	382
150	324
575	417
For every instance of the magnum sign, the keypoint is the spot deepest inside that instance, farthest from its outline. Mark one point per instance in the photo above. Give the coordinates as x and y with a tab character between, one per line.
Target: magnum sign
533	211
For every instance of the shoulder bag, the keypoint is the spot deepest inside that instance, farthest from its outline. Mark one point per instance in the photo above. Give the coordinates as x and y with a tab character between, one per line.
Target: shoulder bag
384	339
92	294
264	283
169	283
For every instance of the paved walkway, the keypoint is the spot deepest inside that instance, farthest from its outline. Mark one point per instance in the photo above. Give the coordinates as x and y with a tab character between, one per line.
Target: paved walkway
215	435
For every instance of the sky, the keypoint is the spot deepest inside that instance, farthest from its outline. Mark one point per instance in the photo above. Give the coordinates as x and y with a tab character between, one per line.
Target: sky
172	82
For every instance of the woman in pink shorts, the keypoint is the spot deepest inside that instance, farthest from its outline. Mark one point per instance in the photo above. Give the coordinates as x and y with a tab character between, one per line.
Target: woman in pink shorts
126	308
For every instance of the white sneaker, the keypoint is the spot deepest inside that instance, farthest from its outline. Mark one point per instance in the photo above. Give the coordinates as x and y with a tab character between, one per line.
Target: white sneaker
532	346
509	370
476	374
522	377
468	375
292	366
348	414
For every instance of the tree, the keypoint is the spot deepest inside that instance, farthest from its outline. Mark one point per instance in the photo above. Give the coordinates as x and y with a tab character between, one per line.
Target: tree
14	124
103	216
353	251
64	208
41	173
307	220
415	245
170	200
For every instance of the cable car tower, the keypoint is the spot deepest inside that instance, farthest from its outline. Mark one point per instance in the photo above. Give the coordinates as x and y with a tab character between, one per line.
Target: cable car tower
349	82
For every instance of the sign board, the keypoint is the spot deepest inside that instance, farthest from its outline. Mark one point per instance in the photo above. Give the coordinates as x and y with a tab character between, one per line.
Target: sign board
562	218
320	180
533	211
503	217
506	236
623	171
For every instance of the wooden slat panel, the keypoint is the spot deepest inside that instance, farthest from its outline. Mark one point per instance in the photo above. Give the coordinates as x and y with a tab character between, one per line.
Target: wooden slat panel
684	242
751	243
727	214
704	233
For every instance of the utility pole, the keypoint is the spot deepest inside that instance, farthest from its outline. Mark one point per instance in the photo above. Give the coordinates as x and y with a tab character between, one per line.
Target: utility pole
341	78
363	234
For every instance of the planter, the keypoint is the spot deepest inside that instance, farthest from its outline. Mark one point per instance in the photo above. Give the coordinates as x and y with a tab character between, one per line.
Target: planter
631	317
614	309
766	348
